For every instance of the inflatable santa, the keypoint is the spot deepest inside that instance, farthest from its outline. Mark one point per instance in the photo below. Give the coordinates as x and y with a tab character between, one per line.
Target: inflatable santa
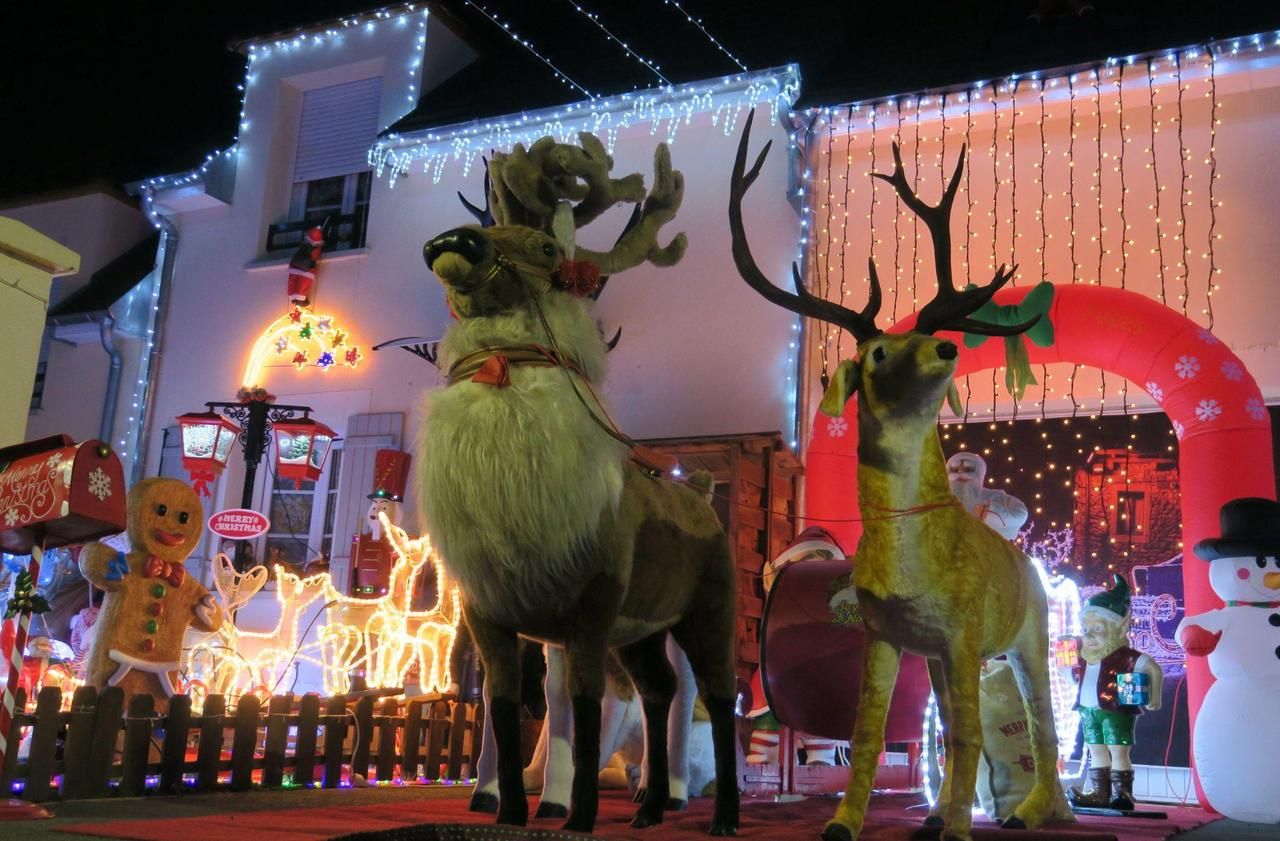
1236	739
967	474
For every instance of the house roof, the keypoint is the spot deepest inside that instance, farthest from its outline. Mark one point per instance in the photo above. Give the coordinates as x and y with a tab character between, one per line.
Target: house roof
110	282
846	51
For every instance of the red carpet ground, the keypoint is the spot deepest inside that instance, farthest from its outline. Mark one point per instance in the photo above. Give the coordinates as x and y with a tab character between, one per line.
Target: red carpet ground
890	819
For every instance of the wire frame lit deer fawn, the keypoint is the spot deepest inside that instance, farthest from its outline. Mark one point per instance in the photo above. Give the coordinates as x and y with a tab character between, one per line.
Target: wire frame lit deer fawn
527	488
930	578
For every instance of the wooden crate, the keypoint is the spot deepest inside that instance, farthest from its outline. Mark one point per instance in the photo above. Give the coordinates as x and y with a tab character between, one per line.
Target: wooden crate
757	481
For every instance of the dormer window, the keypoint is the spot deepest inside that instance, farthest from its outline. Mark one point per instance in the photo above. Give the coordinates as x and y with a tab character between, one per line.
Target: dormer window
331	176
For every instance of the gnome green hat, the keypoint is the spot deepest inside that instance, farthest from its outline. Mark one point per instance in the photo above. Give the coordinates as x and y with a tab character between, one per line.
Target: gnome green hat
1115	600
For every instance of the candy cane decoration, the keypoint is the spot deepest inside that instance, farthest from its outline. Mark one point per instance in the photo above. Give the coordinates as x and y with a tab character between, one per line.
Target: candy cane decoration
15	660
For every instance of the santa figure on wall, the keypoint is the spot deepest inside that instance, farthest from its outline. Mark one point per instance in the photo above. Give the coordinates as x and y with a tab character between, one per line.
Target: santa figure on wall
302	267
1116	682
371	576
1236	738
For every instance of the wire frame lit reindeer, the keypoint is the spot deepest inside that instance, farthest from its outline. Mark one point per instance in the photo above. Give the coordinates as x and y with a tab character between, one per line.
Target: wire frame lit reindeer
385	637
930	578
527	490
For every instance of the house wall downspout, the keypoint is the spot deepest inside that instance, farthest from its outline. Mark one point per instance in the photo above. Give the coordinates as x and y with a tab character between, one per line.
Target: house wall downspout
159	311
106	330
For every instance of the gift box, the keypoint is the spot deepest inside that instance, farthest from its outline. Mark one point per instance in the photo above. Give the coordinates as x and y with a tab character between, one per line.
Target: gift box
1066	652
1133	688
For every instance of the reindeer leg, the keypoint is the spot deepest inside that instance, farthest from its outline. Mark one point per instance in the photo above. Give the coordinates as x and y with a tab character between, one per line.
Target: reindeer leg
1030	665
646	662
586	658
707	637
879	674
960	670
500	651
939	683
558	730
484	798
679	727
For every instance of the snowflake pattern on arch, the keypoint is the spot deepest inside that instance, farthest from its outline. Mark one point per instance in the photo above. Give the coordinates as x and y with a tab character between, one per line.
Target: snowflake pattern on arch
1186	367
99	484
1208	410
1156	392
1206	336
837	427
1255	408
1178	429
1232	370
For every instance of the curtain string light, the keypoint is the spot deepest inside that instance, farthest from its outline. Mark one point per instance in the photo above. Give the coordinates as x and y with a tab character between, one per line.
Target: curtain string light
1184	264
1212	280
1155	175
915	217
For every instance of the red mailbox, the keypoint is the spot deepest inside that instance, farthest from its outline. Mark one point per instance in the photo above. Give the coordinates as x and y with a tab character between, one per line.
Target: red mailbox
54	492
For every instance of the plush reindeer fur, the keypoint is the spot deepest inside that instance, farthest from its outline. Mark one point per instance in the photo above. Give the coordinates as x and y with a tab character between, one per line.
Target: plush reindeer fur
930	578
547	529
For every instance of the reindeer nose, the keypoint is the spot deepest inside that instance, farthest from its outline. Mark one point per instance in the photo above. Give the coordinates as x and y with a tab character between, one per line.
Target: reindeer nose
465	242
947	350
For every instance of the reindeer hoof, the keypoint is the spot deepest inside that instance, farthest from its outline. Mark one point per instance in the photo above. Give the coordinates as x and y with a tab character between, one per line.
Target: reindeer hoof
1013	822
724	829
516	815
577	823
677	804
836	832
934	821
643	820
551	810
483	801
638	797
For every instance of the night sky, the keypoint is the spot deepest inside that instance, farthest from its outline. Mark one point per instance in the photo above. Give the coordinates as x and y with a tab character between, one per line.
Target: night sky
119	91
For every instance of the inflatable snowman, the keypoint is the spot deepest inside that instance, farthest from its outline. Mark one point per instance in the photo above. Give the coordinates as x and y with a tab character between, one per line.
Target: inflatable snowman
1236	739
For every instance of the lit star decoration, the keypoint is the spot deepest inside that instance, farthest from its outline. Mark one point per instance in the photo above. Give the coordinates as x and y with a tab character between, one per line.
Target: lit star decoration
315	341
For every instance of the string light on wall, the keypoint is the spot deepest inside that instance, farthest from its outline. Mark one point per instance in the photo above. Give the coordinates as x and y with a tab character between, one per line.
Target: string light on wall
698	23
560	75
653	67
726	100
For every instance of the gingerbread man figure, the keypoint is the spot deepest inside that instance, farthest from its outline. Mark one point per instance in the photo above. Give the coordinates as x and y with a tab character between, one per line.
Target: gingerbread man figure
150	599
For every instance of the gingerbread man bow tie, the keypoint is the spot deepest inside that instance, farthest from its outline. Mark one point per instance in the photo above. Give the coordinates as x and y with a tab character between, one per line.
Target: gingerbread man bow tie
157	568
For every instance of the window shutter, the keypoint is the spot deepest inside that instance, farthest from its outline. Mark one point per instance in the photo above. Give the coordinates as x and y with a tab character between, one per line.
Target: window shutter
365	435
339	124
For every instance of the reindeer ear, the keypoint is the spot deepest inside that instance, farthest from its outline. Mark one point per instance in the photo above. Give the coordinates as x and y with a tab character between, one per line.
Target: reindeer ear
845	381
953	399
563	228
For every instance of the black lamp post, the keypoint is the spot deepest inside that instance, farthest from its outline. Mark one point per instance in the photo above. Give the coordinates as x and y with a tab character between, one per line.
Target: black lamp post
308	440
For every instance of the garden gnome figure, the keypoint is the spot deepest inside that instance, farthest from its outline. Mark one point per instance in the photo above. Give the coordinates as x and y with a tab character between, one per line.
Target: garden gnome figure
967	473
1106	662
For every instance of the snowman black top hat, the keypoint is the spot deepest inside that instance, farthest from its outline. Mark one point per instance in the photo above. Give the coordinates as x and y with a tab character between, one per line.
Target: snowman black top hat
1250	526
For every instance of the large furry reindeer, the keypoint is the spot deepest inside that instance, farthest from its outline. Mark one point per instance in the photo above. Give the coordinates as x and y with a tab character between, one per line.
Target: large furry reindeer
930	578
530	493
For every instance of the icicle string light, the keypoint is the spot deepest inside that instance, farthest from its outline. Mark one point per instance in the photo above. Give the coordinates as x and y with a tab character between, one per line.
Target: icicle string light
726	100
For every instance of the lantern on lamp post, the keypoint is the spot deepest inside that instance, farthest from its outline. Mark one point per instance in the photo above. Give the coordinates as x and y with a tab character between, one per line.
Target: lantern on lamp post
302	445
206	444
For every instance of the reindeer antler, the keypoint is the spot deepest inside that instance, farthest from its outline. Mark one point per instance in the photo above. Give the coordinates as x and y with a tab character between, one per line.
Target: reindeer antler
861	323
949	309
640	243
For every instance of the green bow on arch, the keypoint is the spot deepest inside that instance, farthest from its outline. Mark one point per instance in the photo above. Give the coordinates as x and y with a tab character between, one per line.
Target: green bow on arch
1018	374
